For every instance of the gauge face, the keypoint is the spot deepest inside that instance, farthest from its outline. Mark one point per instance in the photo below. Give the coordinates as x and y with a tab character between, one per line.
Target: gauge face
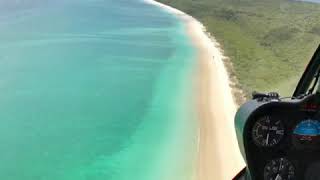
306	135
267	132
279	169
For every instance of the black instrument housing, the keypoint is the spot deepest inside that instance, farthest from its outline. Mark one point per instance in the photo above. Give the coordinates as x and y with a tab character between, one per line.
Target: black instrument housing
290	113
305	104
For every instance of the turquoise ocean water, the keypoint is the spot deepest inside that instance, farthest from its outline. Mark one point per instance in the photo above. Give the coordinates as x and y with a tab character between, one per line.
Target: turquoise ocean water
95	90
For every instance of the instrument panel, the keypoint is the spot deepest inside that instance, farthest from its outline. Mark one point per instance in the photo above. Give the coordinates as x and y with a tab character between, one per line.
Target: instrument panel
282	140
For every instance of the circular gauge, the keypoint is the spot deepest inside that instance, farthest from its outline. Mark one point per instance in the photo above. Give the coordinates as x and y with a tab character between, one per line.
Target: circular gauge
306	135
267	132
279	169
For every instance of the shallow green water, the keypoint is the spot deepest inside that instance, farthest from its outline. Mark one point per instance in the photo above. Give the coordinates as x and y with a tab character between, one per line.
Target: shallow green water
94	89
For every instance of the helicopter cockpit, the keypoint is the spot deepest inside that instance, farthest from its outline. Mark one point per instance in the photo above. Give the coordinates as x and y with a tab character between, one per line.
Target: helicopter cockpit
279	138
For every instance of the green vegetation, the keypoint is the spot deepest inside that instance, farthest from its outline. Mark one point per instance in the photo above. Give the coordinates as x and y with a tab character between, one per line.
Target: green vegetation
269	42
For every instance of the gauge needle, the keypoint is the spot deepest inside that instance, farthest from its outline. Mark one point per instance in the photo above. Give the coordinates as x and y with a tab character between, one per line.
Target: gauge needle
278	177
267	140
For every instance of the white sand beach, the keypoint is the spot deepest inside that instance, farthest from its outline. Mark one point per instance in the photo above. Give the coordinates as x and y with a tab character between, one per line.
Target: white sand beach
219	157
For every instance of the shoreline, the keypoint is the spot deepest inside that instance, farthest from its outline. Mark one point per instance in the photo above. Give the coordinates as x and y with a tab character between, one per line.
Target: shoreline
218	154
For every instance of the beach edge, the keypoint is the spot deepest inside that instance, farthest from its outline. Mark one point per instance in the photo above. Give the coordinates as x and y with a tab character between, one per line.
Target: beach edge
218	155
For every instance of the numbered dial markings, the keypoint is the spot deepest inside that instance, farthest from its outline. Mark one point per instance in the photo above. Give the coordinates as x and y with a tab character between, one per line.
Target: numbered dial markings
267	132
279	169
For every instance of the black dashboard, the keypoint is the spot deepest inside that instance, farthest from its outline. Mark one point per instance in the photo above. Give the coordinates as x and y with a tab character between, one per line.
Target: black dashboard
280	140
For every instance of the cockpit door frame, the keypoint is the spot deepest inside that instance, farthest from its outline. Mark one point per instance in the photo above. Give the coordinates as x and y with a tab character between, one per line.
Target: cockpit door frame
308	75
